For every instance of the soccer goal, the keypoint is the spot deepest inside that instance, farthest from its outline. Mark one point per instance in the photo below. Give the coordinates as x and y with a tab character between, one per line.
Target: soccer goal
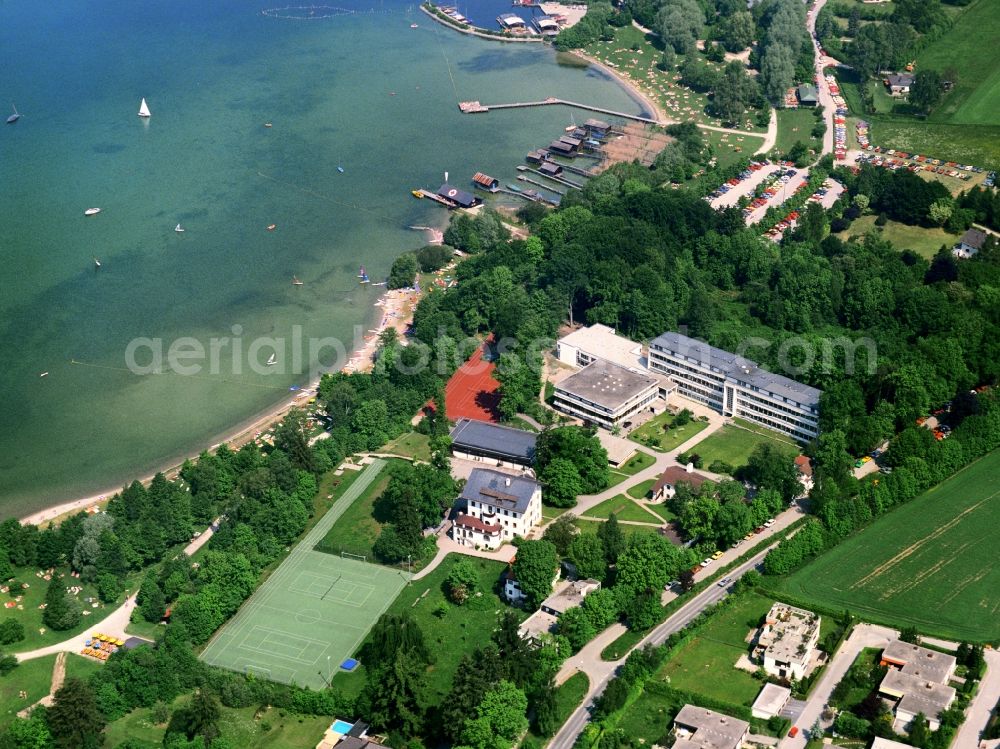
357	557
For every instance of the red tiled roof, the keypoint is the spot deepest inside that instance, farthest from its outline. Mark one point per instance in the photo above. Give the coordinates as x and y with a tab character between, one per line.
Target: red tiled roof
673	474
804	466
467	521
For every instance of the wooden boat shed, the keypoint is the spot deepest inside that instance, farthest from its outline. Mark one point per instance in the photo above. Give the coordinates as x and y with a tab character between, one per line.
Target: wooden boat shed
485	182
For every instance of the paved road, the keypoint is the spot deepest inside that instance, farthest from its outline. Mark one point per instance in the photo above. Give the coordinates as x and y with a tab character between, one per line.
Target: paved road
825	98
863	636
114	624
978	714
601	672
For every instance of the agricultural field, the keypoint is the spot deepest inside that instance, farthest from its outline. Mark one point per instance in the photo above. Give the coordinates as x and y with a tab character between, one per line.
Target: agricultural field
930	563
968	47
925	242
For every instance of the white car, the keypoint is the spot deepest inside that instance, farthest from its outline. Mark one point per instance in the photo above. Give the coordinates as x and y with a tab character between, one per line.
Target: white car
769	523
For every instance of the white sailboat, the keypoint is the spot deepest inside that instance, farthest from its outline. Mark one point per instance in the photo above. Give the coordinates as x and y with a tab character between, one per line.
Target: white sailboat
144	109
272	360
179	229
97	263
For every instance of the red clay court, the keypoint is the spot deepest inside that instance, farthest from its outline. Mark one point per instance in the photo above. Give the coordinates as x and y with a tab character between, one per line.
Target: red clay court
471	393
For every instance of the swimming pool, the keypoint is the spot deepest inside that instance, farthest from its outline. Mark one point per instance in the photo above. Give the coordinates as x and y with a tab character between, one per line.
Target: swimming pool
341	726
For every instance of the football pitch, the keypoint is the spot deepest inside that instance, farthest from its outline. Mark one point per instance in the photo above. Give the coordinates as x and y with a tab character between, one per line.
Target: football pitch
311	613
930	563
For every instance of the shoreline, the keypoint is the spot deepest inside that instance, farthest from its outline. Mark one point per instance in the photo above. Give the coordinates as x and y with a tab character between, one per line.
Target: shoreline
396	311
631	87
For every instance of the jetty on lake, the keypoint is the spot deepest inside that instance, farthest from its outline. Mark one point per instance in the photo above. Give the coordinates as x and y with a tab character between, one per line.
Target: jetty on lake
475	107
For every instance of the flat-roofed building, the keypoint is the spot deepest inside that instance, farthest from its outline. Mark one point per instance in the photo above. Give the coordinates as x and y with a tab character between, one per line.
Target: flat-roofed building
586	345
786	642
917	682
701	728
880	743
736	386
771	701
512	502
492	443
567	595
605	393
618	449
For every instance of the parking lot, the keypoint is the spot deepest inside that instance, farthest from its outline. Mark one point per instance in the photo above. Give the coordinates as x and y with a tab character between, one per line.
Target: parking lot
731	191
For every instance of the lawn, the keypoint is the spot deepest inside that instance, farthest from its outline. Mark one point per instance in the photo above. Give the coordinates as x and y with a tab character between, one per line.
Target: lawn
356	530
706	663
273	728
412	444
734	443
456	632
930	563
975	98
663	511
34	676
730	148
633	54
642	489
796	125
624	507
659	434
924	242
588	525
640	461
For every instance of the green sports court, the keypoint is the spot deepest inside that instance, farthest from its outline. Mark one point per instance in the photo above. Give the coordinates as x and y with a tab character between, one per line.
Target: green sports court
312	612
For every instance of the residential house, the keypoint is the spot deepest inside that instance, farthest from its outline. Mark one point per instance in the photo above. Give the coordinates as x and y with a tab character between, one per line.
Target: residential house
771	701
805	470
666	485
478	534
701	728
568	595
786	642
512	502
917	682
880	743
969	244
736	386
899	83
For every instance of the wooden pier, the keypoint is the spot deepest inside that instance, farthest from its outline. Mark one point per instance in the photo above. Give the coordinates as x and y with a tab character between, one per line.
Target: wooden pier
560	180
530	181
474	107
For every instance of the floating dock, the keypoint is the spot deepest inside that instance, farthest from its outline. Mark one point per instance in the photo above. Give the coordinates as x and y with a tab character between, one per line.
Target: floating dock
560	180
475	107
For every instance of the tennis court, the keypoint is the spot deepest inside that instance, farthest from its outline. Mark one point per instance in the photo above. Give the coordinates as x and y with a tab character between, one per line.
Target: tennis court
312	612
471	392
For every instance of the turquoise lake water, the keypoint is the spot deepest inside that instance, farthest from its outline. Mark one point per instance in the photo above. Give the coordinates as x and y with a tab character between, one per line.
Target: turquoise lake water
363	91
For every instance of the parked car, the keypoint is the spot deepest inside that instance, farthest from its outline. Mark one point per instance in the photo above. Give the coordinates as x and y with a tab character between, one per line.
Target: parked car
724	582
769	523
716	555
705	562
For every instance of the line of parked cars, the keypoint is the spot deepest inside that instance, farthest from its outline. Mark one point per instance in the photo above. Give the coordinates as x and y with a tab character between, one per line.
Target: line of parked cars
755	166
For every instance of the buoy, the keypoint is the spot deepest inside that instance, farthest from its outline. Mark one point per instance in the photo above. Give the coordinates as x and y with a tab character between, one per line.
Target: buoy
272	227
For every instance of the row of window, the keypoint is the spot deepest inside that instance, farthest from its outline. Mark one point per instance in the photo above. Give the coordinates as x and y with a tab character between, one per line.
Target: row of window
796	414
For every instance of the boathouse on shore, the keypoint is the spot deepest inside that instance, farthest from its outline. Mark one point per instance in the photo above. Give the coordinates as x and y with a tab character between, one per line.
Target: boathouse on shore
485	182
461	198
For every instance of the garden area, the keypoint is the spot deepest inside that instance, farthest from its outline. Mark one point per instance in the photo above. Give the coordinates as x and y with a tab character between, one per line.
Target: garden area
667	431
632	466
624	508
735	443
706	664
452	631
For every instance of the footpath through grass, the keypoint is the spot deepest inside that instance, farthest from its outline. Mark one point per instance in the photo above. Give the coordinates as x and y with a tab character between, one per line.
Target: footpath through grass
930	563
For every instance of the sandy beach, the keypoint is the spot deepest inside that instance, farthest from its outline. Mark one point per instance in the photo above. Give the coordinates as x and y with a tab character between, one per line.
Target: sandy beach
397	312
631	86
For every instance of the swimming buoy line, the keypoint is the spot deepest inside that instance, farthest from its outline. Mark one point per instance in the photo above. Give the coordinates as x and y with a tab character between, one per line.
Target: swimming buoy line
317	12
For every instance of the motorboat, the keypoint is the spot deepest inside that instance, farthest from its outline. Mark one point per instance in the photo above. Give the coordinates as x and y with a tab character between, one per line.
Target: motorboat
91	211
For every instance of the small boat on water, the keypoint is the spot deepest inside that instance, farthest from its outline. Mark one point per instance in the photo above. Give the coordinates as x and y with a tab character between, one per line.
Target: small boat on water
91	211
272	227
272	360
414	26
44	374
144	109
296	281
97	263
417	193
267	124
363	275
14	117
340	169
179	229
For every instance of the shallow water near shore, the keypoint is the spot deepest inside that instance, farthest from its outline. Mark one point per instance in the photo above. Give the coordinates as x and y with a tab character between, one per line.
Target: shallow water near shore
363	91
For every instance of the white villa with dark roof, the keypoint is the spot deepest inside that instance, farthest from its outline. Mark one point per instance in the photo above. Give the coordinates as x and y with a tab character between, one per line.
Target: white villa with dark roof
736	386
498	507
